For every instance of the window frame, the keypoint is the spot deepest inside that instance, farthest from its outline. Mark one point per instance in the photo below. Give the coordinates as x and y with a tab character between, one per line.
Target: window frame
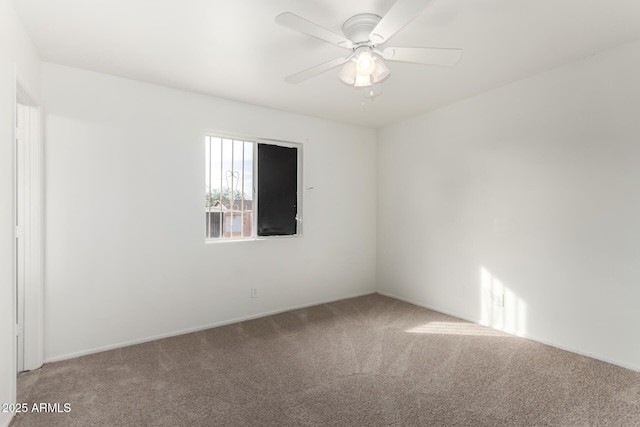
255	199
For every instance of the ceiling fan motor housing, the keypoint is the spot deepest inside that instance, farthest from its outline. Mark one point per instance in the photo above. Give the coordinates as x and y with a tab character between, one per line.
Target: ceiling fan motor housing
359	27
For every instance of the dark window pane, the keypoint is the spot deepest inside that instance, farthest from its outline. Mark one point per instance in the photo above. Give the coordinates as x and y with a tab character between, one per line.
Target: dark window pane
213	228
277	190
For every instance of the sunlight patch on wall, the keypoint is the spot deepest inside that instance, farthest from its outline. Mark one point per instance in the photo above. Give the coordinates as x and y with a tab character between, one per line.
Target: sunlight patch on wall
500	307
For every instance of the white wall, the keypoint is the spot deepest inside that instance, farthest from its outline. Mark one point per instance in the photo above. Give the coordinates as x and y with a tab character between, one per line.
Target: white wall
125	253
18	59
16	49
532	190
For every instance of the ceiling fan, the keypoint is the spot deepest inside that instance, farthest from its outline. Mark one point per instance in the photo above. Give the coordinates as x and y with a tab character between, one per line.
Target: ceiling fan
366	35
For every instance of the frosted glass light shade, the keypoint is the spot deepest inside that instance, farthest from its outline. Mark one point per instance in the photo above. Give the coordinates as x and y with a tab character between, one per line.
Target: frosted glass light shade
381	70
348	73
362	80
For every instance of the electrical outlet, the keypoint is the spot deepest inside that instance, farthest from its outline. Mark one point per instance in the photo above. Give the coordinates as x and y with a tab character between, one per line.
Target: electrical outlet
254	292
499	300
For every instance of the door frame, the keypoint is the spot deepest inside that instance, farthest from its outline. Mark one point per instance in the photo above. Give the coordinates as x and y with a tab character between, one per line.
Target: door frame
30	228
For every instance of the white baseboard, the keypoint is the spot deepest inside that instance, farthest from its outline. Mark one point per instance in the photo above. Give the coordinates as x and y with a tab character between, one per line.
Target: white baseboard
290	308
200	328
516	333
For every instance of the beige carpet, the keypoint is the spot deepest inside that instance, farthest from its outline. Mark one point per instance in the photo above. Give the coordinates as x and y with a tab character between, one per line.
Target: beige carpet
368	361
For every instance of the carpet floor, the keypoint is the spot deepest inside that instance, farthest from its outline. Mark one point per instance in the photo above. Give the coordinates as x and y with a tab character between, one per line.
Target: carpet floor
367	361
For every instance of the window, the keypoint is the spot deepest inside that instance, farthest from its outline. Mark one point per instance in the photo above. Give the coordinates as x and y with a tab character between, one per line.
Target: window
252	188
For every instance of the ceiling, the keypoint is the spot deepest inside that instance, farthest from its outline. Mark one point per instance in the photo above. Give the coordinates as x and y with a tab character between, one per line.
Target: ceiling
233	49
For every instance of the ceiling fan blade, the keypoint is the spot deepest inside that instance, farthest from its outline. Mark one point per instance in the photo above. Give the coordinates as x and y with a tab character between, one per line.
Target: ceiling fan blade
314	71
298	23
445	57
400	14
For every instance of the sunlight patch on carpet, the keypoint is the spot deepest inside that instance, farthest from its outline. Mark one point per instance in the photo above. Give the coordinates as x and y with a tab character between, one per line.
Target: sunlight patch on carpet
455	328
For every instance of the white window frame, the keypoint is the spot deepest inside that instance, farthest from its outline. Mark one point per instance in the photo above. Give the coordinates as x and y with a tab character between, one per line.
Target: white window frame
255	200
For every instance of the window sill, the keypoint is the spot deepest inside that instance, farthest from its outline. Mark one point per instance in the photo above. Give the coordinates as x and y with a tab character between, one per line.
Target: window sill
251	239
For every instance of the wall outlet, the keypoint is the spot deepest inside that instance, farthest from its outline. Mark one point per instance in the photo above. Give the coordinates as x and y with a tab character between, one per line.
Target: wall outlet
254	292
499	300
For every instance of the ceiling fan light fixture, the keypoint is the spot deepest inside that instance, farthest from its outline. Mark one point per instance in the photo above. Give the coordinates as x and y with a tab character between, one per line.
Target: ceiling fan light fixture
374	70
348	73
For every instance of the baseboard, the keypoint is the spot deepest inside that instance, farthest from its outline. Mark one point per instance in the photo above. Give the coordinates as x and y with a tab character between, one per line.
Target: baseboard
201	328
515	333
